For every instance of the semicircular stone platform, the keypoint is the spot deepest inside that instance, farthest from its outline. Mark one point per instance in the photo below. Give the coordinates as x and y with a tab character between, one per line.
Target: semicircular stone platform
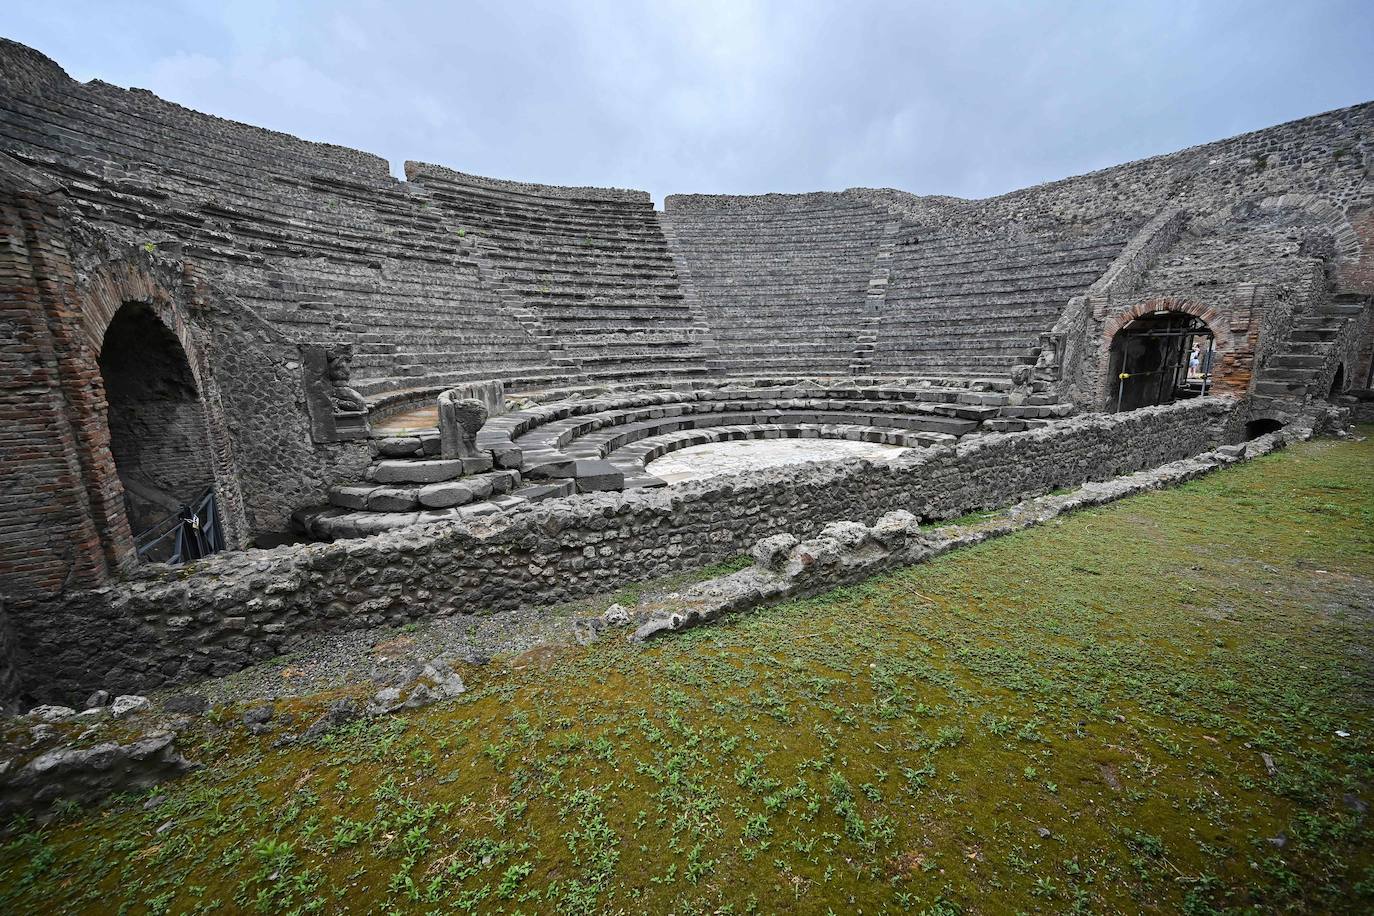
702	461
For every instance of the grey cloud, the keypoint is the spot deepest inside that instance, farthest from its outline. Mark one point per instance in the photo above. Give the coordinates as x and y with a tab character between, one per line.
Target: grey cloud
731	96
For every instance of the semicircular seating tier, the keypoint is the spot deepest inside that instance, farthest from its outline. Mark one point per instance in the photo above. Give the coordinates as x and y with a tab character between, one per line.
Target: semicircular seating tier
784	280
587	269
319	240
602	443
969	306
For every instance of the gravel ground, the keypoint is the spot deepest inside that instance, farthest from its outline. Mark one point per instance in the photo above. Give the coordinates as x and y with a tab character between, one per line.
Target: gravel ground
369	656
333	660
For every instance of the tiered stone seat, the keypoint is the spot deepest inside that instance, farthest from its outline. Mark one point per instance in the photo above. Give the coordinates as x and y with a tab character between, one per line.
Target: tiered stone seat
320	240
572	443
782	278
964	306
591	265
632	459
552	435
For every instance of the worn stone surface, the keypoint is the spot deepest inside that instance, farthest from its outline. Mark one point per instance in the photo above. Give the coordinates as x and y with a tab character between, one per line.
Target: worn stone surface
298	289
128	705
87	775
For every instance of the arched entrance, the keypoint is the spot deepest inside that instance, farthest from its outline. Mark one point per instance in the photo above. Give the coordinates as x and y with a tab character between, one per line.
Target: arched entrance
1158	358
1256	428
156	418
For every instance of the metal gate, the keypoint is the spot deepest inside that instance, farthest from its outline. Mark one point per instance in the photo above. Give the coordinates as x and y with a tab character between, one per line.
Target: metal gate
188	534
1152	358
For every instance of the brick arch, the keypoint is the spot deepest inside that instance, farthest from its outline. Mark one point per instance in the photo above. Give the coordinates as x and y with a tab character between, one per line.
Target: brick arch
1209	314
1226	377
115	284
168	291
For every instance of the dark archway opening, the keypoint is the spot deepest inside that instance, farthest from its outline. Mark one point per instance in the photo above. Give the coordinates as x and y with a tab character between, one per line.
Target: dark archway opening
1337	382
1158	359
1256	428
157	424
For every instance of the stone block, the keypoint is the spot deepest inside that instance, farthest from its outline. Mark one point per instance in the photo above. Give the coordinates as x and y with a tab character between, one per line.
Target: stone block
550	464
507	456
597	474
477	465
391	499
353	497
443	495
398	446
417	471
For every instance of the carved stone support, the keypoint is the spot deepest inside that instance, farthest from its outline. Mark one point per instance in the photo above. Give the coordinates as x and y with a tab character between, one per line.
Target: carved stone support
460	419
337	412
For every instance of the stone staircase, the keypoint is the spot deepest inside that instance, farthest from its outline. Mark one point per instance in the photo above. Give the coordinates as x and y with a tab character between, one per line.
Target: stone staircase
869	325
1296	372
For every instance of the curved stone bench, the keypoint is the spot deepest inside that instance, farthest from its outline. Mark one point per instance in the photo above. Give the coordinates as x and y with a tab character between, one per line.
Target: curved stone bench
634	458
609	441
597	438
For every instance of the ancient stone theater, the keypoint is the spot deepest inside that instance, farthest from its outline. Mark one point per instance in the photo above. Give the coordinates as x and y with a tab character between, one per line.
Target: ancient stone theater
253	387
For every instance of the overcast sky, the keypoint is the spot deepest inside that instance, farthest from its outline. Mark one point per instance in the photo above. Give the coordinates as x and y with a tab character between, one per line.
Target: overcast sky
968	98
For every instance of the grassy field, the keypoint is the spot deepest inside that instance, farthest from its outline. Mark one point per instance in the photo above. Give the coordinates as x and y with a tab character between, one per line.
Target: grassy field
1164	705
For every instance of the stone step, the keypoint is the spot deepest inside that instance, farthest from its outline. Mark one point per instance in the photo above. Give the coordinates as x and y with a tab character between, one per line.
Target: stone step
1036	411
551	489
1296	361
1275	388
972	412
441	495
402	470
1340	309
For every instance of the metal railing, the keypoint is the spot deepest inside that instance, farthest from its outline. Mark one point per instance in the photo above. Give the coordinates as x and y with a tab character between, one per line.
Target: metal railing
188	534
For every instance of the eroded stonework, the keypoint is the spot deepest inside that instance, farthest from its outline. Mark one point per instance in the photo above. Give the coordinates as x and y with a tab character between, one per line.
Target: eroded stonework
572	336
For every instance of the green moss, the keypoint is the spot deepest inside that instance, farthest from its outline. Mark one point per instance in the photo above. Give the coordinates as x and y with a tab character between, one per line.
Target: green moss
1075	717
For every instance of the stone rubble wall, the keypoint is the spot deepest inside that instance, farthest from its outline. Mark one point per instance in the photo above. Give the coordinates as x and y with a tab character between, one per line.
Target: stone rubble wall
847	552
260	376
215	616
1326	155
